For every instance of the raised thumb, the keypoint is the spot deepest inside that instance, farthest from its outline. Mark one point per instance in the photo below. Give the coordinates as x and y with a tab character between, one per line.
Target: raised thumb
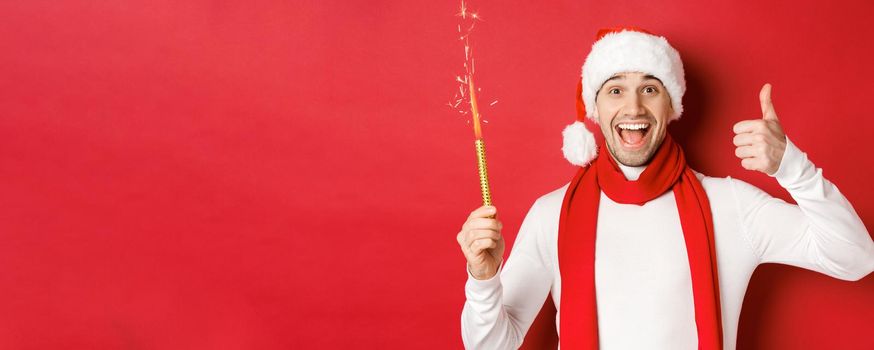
768	112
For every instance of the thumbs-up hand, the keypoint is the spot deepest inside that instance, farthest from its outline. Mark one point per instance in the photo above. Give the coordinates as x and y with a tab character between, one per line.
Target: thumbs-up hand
761	142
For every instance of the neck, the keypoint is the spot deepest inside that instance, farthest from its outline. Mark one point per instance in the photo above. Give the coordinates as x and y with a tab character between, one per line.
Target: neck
631	173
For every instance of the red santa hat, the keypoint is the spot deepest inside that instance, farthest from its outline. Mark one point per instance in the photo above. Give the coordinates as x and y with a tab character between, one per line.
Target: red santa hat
617	50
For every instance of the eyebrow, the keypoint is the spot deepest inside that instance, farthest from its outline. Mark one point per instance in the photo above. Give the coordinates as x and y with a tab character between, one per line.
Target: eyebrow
645	77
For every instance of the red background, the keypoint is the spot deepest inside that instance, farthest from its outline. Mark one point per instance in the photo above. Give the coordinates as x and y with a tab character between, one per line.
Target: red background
266	174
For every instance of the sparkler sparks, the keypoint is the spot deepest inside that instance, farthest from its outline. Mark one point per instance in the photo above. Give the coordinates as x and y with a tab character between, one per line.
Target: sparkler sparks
467	82
466	90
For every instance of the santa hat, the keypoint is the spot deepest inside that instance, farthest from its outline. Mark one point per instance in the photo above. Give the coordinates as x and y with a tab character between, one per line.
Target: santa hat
617	50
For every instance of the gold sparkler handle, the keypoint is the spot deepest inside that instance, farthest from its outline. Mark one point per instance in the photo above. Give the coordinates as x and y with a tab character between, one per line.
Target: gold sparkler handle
483	172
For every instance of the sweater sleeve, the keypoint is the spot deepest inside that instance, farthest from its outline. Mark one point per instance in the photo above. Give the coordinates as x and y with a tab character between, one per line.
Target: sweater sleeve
499	311
822	233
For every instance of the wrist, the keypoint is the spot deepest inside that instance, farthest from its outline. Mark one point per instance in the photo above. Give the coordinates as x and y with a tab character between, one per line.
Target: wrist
484	273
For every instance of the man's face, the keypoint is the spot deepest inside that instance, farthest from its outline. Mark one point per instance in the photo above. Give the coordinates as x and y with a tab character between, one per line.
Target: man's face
633	112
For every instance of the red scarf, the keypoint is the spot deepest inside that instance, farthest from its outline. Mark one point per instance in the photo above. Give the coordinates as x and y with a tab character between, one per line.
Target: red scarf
576	240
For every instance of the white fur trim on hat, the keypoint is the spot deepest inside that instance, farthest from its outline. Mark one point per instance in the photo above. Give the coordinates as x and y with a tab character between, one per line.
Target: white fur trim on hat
632	51
579	146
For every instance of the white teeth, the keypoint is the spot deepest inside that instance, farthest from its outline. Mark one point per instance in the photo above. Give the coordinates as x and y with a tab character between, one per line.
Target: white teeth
633	126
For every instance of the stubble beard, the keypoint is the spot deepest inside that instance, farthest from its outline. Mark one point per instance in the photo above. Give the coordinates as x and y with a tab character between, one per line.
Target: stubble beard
632	158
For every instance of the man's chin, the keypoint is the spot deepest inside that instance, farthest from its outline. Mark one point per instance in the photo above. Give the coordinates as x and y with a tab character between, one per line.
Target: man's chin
634	162
631	155
632	158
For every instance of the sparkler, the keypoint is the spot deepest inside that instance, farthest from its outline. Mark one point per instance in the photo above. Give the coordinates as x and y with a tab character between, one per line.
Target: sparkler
466	83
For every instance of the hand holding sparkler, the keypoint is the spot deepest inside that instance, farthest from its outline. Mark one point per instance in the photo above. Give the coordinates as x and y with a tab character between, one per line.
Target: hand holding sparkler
480	237
482	243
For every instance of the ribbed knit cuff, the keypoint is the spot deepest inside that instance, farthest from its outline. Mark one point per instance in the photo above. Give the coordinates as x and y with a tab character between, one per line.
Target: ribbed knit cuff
792	168
481	290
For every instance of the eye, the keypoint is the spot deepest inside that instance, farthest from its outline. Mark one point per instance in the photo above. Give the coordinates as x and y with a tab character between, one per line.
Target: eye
650	90
613	91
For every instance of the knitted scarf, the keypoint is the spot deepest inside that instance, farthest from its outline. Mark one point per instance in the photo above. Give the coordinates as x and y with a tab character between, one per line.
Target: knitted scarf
576	240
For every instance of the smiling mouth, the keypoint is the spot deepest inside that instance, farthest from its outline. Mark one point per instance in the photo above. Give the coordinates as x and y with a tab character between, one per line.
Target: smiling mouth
633	135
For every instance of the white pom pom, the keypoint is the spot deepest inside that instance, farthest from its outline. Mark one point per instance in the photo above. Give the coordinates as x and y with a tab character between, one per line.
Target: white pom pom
579	146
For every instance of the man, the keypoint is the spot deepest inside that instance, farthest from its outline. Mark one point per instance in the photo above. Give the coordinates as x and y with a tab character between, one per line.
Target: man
675	249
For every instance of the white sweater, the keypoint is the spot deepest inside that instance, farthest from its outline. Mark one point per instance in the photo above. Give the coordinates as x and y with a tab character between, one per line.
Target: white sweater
642	280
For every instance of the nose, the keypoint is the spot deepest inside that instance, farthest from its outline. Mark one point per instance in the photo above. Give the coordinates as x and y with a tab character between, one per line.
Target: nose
635	106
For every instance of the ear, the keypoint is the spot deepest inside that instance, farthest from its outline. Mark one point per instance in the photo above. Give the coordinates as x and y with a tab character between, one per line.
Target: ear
671	111
594	116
